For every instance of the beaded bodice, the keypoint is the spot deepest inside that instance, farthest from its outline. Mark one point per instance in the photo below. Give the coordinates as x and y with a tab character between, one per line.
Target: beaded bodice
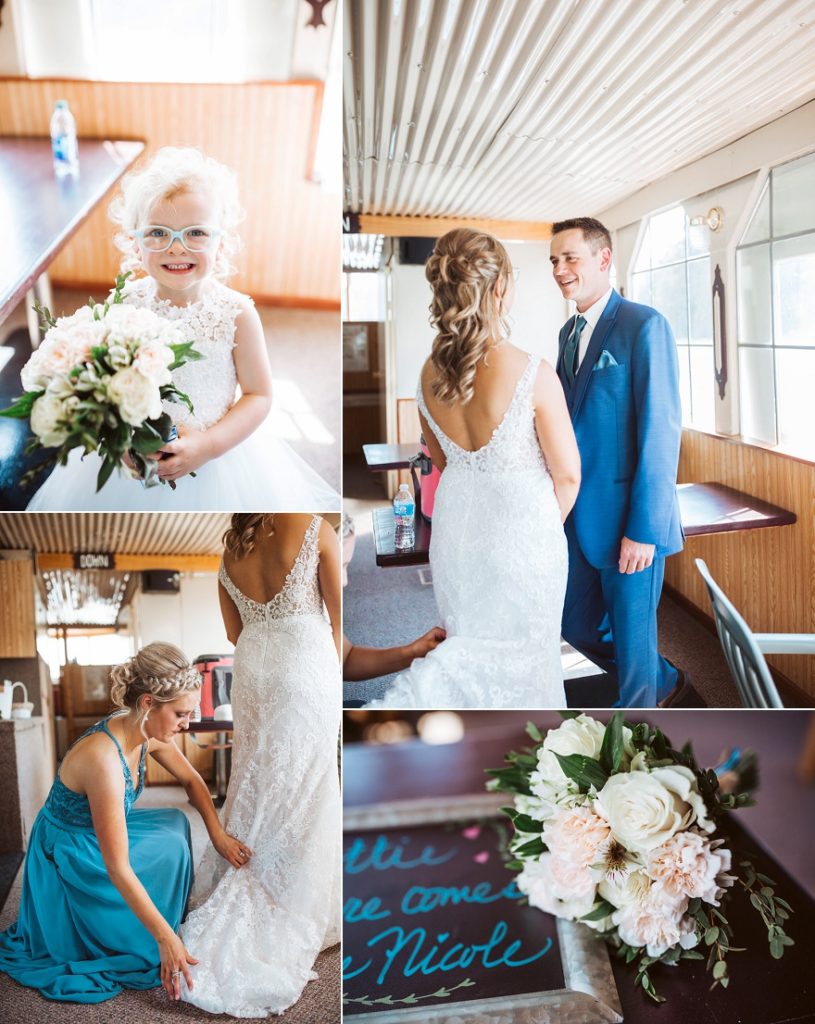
212	381
300	593
514	443
66	806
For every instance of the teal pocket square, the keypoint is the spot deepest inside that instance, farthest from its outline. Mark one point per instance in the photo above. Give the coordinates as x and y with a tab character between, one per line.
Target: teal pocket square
606	359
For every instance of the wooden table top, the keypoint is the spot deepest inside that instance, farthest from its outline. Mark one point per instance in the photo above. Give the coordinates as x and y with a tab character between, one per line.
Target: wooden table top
381	457
41	211
761	991
704	509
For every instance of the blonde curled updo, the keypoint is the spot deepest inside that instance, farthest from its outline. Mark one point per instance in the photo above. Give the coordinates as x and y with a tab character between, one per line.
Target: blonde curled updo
241	537
160	669
465	270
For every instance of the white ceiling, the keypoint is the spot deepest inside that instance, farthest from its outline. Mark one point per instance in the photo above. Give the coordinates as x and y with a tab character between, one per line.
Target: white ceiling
542	109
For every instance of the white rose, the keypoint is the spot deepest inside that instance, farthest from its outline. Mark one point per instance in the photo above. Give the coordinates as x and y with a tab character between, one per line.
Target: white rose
644	809
118	356
46	416
546	891
580	735
33	376
625	890
136	396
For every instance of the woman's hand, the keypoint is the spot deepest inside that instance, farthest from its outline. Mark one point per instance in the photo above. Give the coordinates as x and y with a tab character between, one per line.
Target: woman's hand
188	452
425	644
232	849
174	964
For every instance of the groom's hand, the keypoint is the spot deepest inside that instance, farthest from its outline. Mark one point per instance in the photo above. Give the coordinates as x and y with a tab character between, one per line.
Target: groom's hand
635	557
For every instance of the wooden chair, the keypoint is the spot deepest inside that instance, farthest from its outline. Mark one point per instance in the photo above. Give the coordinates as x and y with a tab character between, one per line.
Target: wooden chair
744	650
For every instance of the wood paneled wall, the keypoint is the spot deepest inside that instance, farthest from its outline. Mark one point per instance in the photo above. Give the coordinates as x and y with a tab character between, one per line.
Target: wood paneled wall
17	624
768	574
264	131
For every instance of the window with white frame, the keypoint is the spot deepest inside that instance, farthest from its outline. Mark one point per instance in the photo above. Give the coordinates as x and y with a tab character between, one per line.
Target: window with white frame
775	286
672	274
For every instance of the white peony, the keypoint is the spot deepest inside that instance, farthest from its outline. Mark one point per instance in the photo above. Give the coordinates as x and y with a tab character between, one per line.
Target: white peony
136	396
656	922
83	315
644	809
33	376
688	864
625	890
153	360
47	414
562	892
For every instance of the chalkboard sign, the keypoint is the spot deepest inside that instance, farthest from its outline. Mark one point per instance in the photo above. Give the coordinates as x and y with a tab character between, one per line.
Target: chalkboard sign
434	926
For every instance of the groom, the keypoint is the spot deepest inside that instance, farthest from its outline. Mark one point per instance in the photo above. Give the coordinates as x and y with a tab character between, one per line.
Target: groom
618	366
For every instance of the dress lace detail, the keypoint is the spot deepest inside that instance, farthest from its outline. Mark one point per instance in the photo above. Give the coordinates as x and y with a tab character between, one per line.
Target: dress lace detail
499	559
212	381
300	593
65	806
283	801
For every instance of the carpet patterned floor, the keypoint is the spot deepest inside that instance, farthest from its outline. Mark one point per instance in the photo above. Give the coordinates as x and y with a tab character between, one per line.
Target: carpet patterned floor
319	1004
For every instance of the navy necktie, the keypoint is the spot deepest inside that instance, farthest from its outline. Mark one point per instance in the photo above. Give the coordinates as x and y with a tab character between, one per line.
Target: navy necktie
571	350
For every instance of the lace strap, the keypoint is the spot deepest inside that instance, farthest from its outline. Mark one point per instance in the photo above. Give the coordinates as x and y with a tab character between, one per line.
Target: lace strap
226	580
440	434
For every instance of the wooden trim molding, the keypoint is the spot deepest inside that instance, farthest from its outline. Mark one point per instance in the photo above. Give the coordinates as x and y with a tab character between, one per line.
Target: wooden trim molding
136	563
433	227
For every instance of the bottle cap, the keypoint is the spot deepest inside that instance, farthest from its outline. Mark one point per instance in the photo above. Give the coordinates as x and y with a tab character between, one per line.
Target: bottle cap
61	104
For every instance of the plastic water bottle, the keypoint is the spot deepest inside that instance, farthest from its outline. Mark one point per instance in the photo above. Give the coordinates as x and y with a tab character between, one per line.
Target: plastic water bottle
63	140
404	514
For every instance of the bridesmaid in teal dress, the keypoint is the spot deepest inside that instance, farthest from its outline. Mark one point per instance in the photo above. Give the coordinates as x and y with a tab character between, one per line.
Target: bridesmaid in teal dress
105	886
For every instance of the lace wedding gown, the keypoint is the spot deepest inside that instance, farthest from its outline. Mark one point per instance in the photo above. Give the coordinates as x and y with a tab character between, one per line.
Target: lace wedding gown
261	473
258	929
499	560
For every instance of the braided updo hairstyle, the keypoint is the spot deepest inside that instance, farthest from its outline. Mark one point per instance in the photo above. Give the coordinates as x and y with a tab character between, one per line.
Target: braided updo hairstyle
241	537
464	271
158	669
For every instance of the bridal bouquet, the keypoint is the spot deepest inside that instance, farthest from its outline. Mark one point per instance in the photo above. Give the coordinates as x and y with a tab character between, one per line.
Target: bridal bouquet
97	382
615	828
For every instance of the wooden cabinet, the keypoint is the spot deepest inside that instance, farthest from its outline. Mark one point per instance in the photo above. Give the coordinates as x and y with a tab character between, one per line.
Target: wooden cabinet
17	622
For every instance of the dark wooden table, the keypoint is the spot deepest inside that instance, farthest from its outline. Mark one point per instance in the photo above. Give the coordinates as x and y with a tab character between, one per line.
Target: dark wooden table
704	508
761	991
41	211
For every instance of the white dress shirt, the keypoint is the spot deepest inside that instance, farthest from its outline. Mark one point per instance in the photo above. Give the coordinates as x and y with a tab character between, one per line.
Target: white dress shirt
592	315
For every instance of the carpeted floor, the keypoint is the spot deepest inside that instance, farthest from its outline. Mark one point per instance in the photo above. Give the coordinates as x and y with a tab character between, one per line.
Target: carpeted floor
305	357
320	1003
384	607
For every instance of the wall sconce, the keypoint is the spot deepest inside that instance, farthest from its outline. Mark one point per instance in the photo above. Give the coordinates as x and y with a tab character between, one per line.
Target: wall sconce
714	219
719	332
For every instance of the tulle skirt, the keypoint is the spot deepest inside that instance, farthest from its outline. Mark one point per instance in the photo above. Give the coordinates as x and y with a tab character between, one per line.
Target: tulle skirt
262	474
75	939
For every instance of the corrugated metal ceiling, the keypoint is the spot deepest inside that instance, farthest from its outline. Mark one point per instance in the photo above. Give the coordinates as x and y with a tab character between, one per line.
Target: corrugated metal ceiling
133	533
540	109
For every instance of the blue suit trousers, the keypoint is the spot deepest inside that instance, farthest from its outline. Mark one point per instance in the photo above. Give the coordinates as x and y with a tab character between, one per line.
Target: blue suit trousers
611	618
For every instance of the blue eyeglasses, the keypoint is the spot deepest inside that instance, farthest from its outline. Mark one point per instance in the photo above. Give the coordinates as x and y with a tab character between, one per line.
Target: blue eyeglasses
196	238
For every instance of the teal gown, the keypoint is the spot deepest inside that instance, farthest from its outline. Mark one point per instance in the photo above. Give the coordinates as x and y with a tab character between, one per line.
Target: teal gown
75	939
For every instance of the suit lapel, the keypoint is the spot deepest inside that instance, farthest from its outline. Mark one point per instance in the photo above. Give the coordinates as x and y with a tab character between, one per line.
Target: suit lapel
598	339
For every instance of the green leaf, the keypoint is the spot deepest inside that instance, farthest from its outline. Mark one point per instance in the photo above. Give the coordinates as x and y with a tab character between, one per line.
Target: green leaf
602	908
523	822
711	935
776	949
534	732
566	714
611	752
719	969
585	771
20	409
184	352
533	848
108	465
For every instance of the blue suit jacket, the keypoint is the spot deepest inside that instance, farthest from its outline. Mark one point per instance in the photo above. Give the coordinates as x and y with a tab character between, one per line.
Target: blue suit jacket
626	414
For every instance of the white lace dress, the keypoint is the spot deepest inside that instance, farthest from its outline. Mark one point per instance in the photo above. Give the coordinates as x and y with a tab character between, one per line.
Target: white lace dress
499	560
257	930
261	474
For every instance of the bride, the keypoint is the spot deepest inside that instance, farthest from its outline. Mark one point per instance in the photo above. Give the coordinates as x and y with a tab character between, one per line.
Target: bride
496	423
256	932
